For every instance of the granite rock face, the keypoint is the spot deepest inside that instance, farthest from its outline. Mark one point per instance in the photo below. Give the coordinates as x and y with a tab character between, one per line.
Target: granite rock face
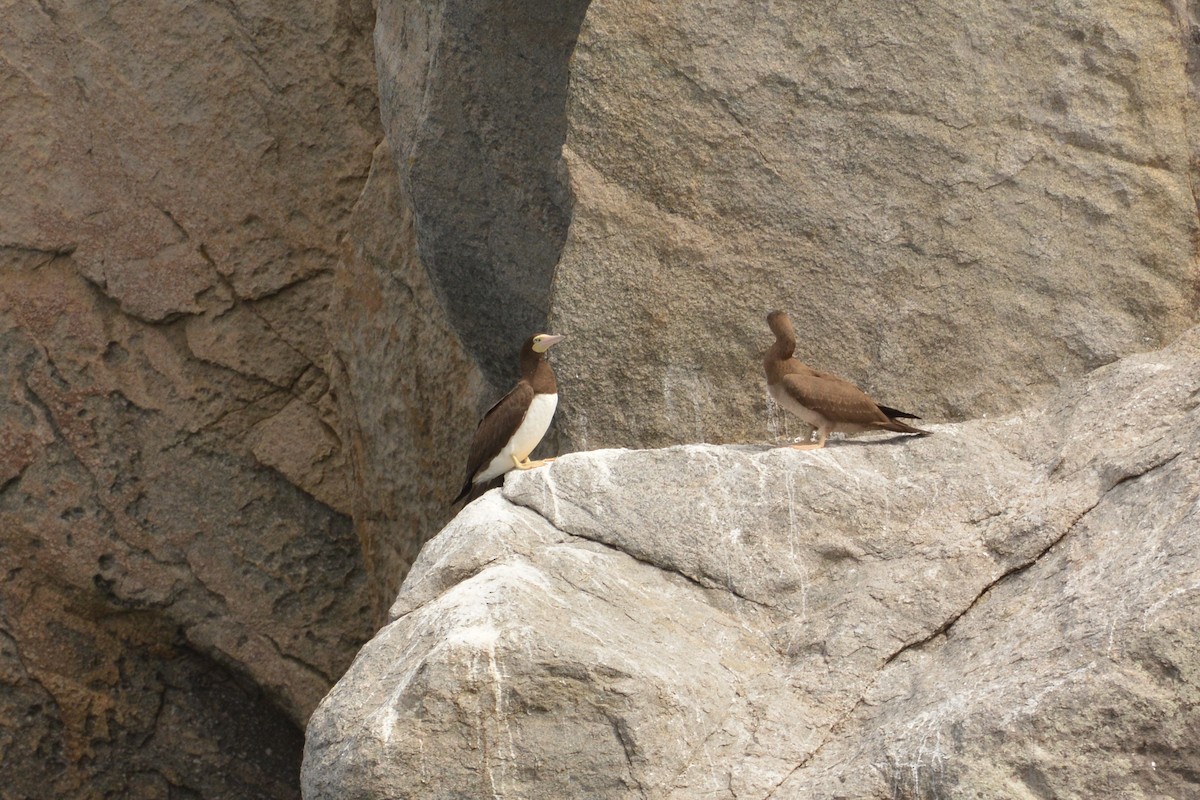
1006	608
961	206
182	583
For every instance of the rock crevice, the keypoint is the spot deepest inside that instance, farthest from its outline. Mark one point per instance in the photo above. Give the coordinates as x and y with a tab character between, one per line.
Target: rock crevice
473	98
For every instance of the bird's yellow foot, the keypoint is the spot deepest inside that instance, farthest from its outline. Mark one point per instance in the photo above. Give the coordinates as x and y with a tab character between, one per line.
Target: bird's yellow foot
527	464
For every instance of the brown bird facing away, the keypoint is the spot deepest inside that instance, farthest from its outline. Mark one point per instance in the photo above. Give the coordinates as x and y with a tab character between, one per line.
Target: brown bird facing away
514	426
825	401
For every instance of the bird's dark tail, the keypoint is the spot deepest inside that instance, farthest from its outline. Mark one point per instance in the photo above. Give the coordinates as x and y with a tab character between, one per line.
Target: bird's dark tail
896	414
466	490
902	427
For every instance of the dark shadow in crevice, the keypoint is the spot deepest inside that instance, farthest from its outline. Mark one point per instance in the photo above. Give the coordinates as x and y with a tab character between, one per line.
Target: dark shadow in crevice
473	97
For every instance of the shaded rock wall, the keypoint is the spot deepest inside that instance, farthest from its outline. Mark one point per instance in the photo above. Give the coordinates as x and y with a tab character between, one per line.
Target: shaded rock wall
472	96
1004	609
452	248
407	390
960	206
181	578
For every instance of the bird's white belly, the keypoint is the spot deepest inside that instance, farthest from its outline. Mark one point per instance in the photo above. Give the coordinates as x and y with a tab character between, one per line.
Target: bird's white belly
532	429
787	403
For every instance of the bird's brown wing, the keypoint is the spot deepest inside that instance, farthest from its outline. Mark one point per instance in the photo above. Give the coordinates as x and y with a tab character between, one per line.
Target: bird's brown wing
834	398
496	428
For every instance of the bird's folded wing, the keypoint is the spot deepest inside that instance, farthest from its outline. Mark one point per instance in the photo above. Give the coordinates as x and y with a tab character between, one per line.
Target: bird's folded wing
498	426
832	397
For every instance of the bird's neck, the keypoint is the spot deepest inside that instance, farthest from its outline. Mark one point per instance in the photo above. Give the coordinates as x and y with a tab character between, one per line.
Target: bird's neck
776	362
783	348
536	369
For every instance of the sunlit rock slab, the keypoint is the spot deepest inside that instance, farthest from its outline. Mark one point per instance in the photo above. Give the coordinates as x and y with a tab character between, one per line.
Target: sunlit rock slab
987	609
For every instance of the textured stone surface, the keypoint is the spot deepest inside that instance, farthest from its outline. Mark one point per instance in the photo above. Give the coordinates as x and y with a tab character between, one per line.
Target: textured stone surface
202	383
961	206
1004	609
472	94
181	581
408	393
98	702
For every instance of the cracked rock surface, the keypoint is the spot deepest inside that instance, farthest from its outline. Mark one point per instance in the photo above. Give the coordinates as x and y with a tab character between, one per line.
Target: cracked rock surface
180	582
1004	609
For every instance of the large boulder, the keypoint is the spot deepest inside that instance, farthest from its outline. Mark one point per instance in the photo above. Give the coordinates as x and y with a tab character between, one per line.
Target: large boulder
1005	608
962	206
182	583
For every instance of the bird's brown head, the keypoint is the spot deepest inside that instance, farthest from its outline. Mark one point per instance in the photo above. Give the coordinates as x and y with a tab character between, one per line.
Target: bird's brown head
541	342
534	367
536	346
780	325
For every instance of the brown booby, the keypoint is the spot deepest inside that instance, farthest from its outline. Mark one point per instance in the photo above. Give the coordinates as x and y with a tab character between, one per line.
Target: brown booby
825	401
512	428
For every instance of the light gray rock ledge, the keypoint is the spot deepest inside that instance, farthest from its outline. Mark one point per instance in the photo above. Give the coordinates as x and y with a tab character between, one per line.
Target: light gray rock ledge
1004	609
